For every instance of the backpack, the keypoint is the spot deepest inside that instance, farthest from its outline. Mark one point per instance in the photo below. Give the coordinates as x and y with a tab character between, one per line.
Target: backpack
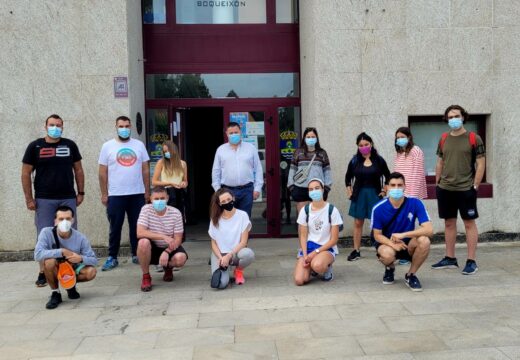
472	143
331	209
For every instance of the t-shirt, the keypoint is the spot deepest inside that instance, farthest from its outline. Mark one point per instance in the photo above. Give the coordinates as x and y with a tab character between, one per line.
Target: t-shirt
77	242
125	164
228	233
384	211
168	224
318	225
53	165
458	171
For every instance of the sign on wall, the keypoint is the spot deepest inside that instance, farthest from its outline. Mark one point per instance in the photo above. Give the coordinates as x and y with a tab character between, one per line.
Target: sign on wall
120	87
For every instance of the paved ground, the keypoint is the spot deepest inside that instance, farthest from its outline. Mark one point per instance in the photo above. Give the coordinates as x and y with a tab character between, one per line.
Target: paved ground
353	317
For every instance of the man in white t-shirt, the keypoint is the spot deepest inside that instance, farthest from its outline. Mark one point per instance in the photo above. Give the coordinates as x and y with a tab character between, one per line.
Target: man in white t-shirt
124	179
159	229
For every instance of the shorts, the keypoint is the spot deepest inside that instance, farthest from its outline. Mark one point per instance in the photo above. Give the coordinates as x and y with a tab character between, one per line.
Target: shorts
311	246
450	202
157	251
301	194
399	255
361	208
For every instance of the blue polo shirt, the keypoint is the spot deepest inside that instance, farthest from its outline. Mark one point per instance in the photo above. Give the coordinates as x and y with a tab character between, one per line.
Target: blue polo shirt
384	211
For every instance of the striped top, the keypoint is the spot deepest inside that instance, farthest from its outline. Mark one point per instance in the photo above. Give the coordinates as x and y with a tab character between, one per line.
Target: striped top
320	167
411	165
168	224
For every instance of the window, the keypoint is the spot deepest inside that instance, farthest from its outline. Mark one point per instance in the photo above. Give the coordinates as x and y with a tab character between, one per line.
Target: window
260	85
287	11
427	131
154	12
220	11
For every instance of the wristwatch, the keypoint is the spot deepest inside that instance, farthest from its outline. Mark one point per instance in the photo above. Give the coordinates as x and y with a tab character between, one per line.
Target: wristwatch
317	251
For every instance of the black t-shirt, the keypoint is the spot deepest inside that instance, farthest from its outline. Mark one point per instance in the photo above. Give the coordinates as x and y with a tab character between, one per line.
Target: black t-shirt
53	165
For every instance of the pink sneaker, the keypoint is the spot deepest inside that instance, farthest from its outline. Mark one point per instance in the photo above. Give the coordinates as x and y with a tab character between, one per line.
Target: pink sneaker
239	276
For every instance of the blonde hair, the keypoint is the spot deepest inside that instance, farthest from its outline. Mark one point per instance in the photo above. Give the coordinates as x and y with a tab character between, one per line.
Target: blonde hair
173	165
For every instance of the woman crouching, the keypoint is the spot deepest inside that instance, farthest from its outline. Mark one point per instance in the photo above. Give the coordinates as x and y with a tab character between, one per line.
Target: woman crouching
319	224
229	231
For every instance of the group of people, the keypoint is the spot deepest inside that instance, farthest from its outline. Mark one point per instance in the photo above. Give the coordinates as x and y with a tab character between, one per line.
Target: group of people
157	217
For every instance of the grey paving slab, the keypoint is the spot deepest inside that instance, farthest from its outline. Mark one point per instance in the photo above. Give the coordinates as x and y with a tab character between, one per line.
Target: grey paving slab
480	337
19	333
440	307
31	349
365	324
65	315
271	332
353	310
321	348
410	342
513	352
261	350
414	323
90	328
177	353
192	337
117	343
469	354
165	322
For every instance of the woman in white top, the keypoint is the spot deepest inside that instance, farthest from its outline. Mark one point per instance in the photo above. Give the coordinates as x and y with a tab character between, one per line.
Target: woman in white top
319	224
229	231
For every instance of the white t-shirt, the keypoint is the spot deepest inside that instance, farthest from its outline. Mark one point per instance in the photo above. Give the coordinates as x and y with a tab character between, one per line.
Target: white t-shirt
125	163
318	225
227	234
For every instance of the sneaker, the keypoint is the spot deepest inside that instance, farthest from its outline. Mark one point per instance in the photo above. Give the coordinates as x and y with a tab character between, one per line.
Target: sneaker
413	282
159	268
314	273
135	260
54	300
41	281
73	293
470	268
239	276
110	264
328	275
146	283
168	274
446	263
388	278
404	262
354	255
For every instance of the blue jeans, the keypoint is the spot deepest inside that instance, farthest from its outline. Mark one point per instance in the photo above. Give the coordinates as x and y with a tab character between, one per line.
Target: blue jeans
243	198
116	208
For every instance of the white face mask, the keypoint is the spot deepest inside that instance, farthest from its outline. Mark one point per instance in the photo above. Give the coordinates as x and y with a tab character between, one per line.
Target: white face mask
64	226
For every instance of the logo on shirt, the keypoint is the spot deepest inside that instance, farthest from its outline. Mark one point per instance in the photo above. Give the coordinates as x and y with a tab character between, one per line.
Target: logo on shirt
52	152
126	157
410	216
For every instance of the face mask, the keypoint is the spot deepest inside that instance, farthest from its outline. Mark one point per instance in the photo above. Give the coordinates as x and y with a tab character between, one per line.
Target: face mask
316	195
54	132
123	132
159	205
402	142
396	194
311	141
167	155
234	138
228	207
64	226
455	123
365	150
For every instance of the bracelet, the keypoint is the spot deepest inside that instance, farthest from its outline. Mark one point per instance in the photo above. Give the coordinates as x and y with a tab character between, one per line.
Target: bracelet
167	252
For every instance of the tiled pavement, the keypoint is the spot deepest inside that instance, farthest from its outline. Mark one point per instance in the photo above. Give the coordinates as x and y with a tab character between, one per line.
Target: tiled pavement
352	317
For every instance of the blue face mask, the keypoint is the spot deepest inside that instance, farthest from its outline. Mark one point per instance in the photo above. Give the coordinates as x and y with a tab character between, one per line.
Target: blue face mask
167	155
396	194
123	133
311	141
455	123
159	205
54	132
234	139
316	195
401	142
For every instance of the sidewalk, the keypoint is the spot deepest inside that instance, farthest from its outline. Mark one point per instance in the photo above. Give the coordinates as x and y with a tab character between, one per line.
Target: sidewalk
353	317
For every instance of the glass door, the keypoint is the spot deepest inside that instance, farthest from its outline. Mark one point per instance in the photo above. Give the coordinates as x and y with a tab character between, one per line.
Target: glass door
255	123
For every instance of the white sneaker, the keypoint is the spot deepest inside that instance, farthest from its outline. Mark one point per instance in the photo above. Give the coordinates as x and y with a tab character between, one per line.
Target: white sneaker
159	268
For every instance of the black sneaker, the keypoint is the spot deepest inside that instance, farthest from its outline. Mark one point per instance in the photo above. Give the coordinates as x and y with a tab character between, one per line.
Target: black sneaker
388	278
446	263
413	282
73	293
41	281
54	301
354	255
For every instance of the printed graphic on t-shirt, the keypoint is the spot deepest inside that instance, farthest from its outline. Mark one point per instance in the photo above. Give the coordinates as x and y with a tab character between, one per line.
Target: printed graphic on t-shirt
126	157
48	152
318	224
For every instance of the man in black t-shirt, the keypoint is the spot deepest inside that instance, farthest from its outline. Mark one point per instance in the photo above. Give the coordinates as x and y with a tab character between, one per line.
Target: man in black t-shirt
56	163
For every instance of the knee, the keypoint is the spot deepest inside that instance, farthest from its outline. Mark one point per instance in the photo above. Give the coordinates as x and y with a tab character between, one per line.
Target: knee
299	281
179	259
423	242
319	266
469	224
386	254
49	264
144	244
90	273
450	223
245	257
359	222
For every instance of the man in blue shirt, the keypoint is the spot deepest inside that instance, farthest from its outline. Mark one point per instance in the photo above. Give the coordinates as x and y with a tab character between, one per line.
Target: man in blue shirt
395	236
237	167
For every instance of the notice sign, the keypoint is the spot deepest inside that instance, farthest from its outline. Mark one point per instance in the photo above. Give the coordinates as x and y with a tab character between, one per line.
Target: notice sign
120	87
255	128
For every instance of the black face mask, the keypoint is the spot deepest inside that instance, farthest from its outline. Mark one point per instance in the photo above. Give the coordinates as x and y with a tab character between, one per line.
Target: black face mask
229	206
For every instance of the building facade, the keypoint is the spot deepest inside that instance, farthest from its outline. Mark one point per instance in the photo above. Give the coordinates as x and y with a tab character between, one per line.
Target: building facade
274	65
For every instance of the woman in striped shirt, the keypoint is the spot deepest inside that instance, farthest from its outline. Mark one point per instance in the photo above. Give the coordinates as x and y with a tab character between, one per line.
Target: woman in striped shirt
409	161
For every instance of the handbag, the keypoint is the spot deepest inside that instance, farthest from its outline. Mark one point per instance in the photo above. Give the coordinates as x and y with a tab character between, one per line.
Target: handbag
302	174
216	277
